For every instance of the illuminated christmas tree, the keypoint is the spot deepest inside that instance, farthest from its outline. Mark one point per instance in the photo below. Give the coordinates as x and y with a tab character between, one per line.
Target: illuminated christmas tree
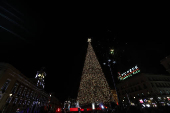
93	85
40	78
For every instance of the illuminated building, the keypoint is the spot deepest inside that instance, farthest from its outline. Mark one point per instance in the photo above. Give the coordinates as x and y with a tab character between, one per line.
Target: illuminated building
40	78
145	86
18	92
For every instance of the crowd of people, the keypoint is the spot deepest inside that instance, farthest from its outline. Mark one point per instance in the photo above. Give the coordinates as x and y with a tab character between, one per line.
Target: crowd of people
135	109
132	109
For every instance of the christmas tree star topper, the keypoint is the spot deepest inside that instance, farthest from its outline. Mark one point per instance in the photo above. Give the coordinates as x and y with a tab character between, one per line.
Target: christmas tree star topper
89	40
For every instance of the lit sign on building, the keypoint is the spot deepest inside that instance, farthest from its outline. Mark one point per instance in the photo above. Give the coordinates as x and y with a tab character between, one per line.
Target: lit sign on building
128	73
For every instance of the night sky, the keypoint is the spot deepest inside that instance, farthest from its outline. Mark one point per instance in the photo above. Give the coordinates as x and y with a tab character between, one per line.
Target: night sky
139	37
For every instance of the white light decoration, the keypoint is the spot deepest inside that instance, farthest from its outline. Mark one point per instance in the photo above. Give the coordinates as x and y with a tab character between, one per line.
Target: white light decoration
93	105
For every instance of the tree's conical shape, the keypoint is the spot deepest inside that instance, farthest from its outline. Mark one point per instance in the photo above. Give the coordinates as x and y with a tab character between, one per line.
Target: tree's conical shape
93	84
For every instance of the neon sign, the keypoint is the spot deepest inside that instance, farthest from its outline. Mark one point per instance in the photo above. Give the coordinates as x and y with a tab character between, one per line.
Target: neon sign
128	73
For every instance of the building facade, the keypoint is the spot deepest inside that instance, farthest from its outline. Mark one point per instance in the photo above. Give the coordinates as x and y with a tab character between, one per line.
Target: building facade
148	89
19	93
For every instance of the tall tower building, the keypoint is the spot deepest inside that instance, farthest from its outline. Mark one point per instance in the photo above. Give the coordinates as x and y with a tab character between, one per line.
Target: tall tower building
94	88
40	78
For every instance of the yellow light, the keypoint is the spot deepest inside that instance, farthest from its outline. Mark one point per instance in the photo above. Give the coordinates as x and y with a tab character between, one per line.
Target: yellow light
112	50
39	75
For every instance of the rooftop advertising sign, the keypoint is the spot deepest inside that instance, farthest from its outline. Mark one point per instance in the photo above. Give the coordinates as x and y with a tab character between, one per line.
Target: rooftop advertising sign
128	73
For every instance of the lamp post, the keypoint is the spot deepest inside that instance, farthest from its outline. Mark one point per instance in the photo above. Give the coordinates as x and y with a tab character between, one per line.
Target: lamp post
109	65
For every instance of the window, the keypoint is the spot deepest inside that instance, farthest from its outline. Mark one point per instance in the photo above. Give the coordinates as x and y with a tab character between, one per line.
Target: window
20	102
31	95
9	99
24	92
163	92
148	93
28	93
14	88
20	90
15	101
25	102
164	84
5	86
160	85
138	95
160	92
35	96
157	85
28	102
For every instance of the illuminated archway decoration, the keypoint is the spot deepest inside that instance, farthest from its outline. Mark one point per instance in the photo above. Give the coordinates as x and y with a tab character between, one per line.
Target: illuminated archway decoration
128	73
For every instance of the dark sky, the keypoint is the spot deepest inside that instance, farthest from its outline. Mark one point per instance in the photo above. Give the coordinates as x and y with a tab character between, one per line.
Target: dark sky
138	36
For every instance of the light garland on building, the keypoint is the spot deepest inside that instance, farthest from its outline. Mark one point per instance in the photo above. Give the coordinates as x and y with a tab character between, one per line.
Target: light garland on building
93	86
128	73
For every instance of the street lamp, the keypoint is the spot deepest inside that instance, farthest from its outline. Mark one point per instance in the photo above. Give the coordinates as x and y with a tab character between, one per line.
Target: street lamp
109	65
